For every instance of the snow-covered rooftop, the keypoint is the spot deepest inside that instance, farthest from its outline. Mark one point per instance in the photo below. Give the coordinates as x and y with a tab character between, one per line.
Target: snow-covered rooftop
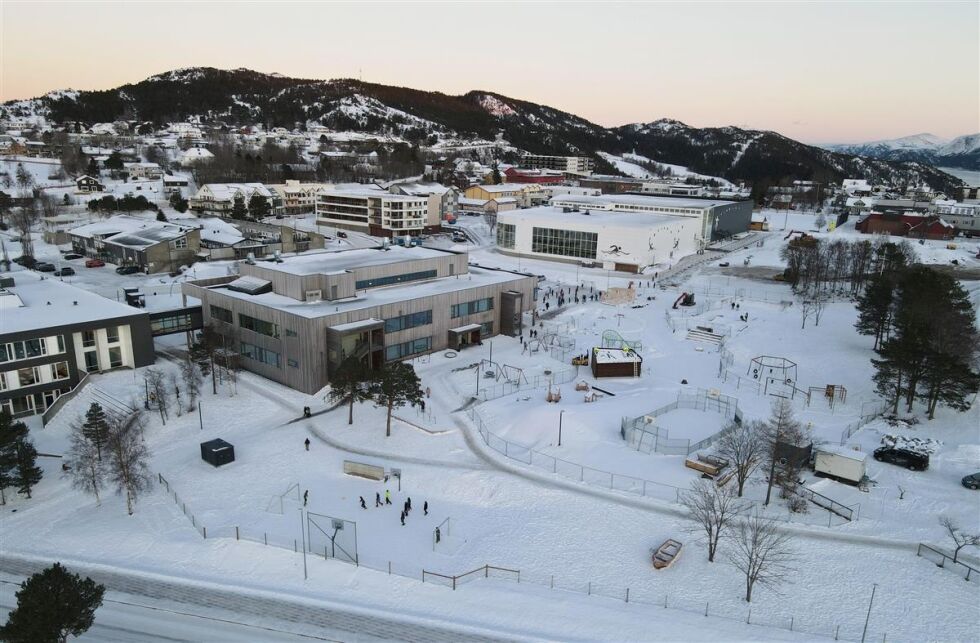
46	302
611	201
332	262
557	217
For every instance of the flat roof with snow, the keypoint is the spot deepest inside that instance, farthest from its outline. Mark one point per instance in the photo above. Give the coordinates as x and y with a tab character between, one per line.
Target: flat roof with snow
612	200
332	262
551	216
46	302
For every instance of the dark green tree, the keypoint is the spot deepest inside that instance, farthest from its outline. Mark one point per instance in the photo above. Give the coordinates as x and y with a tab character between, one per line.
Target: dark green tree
95	428
93	168
161	217
258	206
205	350
28	473
496	178
178	202
238	210
52	605
114	162
395	385
875	306
11	435
350	383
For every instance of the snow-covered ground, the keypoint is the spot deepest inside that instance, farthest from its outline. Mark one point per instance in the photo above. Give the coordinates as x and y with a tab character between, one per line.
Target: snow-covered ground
557	530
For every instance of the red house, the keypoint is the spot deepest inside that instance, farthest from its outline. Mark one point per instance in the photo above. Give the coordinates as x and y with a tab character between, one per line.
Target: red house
906	225
541	177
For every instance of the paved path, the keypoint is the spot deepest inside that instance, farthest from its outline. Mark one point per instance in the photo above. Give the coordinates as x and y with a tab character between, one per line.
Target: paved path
362	623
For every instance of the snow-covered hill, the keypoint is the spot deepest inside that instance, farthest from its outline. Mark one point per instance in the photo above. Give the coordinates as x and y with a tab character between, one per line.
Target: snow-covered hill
962	151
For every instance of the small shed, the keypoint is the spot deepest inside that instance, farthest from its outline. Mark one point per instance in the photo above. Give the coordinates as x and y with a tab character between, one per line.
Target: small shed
615	362
217	452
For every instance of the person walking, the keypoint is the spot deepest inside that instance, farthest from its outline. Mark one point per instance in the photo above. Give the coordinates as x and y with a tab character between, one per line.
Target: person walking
408	503
425	507
363	504
405	508
377	499
403	519
307	443
306	496
387	497
438	535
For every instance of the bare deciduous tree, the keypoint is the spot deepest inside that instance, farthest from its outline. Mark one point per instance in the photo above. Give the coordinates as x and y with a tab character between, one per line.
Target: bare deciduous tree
191	377
128	470
157	387
85	467
743	445
761	552
960	539
23	220
711	510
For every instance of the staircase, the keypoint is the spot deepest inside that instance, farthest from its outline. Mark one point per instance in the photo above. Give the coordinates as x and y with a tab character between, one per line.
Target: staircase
698	335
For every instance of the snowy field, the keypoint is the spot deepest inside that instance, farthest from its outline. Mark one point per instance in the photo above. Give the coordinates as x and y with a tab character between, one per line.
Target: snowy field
572	534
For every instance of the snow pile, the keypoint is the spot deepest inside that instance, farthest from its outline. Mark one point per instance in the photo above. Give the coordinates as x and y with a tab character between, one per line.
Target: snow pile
925	446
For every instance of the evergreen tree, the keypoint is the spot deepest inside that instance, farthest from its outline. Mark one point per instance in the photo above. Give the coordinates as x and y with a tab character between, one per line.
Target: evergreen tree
52	605
258	206
875	308
178	202
205	350
395	385
93	168
350	383
161	216
238	211
11	435
95	429
114	162
28	473
496	178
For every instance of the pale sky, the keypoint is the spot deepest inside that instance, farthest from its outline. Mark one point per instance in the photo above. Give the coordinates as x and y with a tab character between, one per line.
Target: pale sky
817	72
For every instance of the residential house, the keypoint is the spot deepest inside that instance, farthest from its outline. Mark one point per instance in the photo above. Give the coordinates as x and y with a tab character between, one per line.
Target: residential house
218	199
520	191
152	246
913	225
143	171
297	197
86	184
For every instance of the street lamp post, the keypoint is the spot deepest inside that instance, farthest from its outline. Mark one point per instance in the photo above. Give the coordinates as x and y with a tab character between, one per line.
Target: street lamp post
562	413
868	617
303	532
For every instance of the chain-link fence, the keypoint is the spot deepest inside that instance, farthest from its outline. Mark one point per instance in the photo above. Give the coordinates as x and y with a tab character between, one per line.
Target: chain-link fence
643	434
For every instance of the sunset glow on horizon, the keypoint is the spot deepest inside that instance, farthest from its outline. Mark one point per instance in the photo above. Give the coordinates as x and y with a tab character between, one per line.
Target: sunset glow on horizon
832	72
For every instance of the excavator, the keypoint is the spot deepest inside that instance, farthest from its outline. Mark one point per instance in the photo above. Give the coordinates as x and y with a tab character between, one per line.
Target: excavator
686	299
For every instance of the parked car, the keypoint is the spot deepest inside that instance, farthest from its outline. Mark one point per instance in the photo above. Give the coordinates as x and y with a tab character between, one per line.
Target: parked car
71	255
26	260
94	263
127	270
44	266
911	460
341	234
971	481
67	271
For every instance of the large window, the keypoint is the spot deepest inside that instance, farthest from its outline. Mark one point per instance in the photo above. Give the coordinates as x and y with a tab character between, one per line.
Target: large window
258	326
486	329
413	347
472	307
260	354
176	322
411	320
505	235
112	334
566	243
222	314
395	279
26	349
115	357
28	376
88	338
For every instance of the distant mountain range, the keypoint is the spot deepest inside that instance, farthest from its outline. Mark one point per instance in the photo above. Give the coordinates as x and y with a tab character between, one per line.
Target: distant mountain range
245	97
962	151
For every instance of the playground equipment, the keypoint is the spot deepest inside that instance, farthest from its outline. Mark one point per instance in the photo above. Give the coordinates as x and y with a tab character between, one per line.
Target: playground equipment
612	339
506	372
553	396
773	370
686	299
834	393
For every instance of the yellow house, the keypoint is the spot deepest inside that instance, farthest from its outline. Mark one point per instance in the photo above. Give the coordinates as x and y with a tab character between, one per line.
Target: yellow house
519	191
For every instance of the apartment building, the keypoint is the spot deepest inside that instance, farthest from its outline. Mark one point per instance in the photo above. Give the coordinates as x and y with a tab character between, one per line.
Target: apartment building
294	322
297	197
54	334
152	246
574	164
218	199
442	201
373	211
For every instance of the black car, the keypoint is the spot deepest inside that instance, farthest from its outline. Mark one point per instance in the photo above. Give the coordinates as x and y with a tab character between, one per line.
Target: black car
71	255
127	270
67	271
44	266
971	481
911	460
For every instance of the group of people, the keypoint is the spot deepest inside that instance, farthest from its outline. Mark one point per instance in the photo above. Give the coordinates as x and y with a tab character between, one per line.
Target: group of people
561	295
406	508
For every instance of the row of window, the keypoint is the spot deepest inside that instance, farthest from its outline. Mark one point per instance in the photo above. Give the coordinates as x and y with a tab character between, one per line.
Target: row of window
566	243
111	333
395	279
258	325
411	320
505	235
412	347
34	375
471	307
180	321
222	314
259	354
28	349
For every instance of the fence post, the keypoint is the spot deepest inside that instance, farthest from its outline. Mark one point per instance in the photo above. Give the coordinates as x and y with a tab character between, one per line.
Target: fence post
590	588
748	619
790	623
486	571
627	594
295	548
324	552
236	532
665	601
837	632
205	530
454	583
552	581
706	608
389	568
265	538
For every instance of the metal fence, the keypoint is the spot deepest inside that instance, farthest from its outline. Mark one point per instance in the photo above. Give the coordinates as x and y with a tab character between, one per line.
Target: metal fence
869	411
957	566
537	381
643	434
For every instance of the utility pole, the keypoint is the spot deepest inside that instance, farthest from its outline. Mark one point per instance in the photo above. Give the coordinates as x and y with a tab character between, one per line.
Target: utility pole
302	530
562	413
868	618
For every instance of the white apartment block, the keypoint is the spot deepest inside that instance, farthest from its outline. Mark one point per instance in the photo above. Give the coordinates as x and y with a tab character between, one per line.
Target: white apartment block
377	213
